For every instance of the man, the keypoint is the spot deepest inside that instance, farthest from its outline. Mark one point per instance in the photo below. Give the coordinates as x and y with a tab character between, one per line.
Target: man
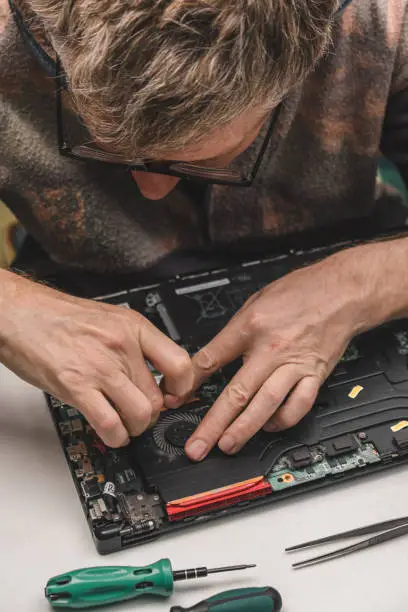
197	83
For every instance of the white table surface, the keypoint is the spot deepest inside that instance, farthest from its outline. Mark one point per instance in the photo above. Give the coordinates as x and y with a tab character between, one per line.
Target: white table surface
43	531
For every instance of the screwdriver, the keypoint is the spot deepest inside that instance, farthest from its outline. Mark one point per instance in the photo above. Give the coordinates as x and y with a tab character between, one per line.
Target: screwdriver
97	586
264	599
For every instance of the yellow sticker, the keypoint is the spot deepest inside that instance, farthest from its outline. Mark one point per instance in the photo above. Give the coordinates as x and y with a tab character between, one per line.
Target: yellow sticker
355	391
399	426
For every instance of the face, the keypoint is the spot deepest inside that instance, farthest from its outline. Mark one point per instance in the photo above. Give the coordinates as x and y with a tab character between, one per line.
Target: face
217	151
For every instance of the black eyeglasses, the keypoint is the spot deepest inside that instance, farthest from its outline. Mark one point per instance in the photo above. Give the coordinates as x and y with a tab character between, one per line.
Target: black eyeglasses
74	141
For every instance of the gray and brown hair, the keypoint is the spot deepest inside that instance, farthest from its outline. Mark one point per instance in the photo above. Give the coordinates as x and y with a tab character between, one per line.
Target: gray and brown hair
155	75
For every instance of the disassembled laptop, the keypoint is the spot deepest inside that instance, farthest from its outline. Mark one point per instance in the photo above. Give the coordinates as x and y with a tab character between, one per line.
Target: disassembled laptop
358	425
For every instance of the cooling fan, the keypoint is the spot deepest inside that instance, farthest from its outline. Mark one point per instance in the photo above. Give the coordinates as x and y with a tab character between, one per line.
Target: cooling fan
172	431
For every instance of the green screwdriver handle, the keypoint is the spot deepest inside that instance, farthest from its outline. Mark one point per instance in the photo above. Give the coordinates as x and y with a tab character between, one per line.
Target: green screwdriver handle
97	586
264	599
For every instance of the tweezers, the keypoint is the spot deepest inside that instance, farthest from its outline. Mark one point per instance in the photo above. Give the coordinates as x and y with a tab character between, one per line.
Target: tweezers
390	529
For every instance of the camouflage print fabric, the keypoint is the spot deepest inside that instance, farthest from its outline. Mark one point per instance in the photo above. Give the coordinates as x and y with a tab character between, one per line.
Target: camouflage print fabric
320	168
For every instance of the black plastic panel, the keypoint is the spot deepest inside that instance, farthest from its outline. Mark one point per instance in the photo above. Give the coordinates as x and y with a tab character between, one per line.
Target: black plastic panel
367	393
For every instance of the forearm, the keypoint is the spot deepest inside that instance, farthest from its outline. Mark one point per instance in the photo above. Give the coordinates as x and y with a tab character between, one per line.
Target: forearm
10	289
380	276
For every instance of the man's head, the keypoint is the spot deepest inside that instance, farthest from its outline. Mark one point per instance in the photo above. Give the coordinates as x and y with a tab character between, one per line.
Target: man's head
179	79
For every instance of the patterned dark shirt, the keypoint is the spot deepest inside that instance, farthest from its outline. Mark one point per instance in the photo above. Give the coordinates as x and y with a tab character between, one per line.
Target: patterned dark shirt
323	169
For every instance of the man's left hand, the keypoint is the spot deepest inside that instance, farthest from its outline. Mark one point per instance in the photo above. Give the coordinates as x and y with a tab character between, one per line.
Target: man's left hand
290	334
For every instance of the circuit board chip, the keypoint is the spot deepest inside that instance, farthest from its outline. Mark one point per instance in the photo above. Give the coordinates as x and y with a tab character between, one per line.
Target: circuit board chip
401	439
340	446
300	457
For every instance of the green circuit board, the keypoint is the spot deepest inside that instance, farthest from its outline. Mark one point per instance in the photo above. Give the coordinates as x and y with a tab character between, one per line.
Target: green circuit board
284	475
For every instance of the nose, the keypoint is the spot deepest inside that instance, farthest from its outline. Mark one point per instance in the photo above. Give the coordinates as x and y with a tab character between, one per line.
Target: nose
154	186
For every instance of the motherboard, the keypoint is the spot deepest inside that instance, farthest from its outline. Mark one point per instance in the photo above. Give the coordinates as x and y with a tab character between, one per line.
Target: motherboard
359	423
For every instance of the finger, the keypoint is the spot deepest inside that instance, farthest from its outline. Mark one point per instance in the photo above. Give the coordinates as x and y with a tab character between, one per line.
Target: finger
298	404
153	419
174	401
226	346
265	403
169	358
144	380
132	405
232	401
103	418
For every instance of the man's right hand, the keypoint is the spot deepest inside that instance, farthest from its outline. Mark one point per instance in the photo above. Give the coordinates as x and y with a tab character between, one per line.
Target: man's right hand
90	355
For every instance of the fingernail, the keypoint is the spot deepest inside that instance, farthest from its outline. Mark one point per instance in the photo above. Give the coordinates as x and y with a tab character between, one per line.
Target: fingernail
171	402
125	443
226	444
270	427
196	450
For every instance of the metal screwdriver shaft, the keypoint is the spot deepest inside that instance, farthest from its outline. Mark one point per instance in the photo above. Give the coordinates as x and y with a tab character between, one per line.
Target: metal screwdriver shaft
231	568
202	572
